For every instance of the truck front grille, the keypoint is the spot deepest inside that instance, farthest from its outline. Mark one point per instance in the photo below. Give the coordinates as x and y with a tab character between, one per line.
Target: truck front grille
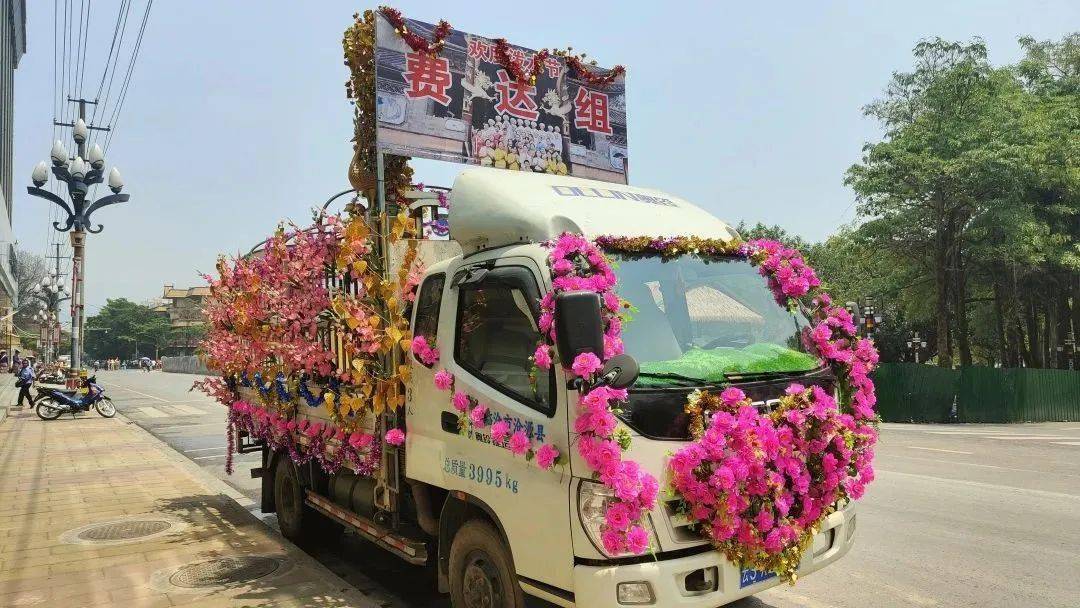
682	530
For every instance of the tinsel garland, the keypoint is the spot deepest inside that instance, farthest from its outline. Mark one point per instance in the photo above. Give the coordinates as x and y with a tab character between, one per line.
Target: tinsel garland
520	74
415	41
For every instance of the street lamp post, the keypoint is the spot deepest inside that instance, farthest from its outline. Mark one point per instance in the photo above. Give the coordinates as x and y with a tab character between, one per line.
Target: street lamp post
1070	349
916	344
78	175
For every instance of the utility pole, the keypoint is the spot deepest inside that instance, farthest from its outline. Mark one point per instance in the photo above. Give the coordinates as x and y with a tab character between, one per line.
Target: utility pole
78	247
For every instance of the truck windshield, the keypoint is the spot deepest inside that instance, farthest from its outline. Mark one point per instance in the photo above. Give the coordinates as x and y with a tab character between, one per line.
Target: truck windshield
702	321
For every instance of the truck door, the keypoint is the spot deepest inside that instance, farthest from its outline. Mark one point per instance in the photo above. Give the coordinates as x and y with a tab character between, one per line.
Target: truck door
487	335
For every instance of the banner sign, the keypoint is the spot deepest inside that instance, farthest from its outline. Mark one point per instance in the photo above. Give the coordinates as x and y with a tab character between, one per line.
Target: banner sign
463	106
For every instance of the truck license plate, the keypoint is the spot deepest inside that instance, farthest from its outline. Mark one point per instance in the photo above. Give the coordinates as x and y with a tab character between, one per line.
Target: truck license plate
749	576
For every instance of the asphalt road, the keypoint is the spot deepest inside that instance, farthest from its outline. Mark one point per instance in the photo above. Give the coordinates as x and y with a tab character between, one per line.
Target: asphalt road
960	515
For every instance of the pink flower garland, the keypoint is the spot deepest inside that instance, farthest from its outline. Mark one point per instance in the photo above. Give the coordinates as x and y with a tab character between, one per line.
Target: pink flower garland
359	449
577	264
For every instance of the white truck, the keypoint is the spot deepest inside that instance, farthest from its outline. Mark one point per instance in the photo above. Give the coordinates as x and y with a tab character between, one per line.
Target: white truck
498	527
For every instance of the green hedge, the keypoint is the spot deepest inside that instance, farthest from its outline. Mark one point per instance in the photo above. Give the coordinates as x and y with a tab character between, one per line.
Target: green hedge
908	392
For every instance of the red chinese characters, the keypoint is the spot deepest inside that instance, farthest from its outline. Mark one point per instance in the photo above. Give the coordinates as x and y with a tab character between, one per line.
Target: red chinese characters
483	50
428	76
516	98
591	111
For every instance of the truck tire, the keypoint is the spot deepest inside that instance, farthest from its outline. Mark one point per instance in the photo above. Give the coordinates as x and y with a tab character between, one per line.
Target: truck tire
298	522
482	569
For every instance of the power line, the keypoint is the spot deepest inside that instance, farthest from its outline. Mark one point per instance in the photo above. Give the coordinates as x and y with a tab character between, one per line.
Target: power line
85	44
127	78
108	59
115	60
79	47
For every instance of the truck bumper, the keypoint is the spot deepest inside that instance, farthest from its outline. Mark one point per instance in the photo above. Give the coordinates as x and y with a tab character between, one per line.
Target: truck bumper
679	582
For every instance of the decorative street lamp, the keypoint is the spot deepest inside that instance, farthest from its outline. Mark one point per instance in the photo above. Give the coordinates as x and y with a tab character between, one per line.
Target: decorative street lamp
79	175
870	317
49	293
916	344
1070	349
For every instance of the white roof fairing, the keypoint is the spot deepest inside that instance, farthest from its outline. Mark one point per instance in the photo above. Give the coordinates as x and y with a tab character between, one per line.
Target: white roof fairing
496	207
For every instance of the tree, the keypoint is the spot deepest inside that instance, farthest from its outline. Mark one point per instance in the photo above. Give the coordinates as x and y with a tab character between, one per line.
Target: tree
126	330
947	191
29	269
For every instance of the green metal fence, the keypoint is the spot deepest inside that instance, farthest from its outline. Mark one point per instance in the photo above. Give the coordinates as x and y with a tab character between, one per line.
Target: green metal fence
909	392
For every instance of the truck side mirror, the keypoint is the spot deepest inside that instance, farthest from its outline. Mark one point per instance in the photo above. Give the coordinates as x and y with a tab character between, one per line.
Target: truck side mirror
620	371
578	325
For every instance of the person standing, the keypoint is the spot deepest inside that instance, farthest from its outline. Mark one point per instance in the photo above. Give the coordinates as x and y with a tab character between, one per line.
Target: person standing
25	381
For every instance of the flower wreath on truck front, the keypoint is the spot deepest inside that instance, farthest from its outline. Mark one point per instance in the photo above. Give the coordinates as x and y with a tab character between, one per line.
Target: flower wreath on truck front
759	485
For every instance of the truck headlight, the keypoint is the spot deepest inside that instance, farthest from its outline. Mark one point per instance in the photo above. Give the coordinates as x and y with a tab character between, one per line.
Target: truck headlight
593	501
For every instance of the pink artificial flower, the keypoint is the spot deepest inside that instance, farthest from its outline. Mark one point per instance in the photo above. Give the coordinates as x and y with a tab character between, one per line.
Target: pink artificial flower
546	456
586	364
395	437
732	396
519	443
613	541
478	416
360	440
499	431
542	356
443	380
637	540
461	401
617	516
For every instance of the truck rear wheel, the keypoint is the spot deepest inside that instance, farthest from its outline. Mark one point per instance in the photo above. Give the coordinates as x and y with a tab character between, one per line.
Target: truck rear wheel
482	569
298	522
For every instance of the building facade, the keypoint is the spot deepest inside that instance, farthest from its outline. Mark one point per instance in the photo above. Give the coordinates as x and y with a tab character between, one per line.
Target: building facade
12	47
184	309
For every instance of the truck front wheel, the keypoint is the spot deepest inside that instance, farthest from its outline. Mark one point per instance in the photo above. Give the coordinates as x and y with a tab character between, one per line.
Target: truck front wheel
482	570
298	522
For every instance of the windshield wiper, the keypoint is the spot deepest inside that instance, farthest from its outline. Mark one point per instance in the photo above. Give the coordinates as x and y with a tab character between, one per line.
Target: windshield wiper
670	376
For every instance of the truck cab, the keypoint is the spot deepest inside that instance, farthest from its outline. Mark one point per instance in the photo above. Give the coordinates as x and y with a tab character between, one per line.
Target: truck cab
504	524
498	526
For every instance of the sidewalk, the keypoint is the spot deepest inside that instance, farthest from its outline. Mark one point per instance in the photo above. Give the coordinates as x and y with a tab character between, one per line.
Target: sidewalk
173	536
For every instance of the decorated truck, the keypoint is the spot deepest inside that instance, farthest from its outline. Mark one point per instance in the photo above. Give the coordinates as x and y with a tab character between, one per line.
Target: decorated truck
542	384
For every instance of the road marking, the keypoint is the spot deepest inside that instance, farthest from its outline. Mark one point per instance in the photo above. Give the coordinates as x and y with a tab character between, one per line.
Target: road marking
151	412
187	409
981	466
980	484
915	447
173	427
204	449
208	457
1029	437
967	433
135	391
1065	442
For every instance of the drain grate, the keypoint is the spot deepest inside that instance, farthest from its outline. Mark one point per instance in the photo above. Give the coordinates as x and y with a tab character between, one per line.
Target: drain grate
125	530
224	571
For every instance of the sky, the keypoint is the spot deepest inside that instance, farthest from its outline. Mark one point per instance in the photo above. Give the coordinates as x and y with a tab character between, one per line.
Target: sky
236	115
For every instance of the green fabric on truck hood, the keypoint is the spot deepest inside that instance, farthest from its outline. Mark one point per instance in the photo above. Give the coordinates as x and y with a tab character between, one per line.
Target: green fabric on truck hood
711	365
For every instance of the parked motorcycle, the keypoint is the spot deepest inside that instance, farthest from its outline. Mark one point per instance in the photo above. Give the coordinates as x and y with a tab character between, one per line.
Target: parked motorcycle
54	402
53	377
